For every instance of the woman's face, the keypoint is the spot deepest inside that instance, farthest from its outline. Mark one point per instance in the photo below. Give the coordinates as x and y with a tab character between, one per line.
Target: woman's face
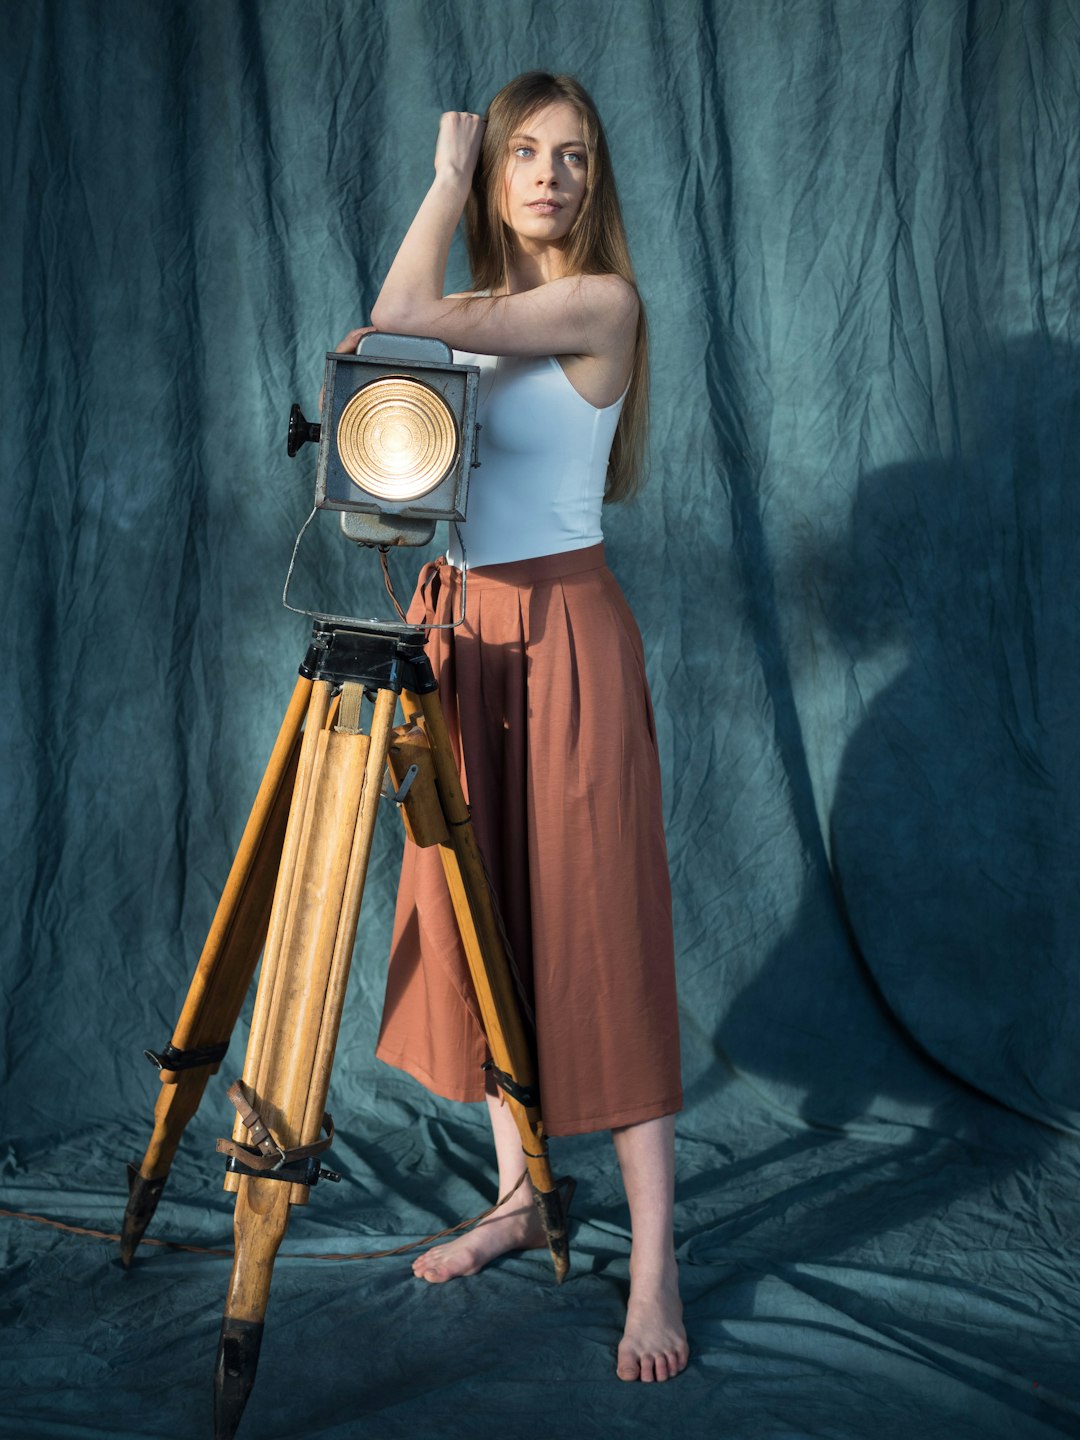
546	175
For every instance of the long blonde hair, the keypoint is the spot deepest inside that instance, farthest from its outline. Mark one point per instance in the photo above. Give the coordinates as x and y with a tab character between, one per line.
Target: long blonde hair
596	244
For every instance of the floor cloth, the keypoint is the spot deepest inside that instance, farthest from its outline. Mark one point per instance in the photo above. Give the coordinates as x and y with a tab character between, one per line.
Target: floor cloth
549	713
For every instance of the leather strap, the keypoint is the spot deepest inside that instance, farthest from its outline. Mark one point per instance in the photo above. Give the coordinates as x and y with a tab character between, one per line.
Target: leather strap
268	1154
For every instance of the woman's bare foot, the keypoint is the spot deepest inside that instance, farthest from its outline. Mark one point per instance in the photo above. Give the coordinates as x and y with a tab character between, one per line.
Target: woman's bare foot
518	1229
654	1345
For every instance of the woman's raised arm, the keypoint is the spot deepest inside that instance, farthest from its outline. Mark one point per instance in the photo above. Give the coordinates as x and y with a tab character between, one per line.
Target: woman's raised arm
573	315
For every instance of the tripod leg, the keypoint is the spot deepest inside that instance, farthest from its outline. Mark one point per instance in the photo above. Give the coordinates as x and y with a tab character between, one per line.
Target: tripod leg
262	1213
321	712
290	1056
493	981
378	745
222	977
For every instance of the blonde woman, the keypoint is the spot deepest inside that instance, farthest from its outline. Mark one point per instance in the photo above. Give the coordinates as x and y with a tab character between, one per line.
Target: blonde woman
544	687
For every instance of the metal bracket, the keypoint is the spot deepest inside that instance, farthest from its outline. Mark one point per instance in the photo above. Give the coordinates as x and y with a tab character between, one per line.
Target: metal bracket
300	1172
397	793
172	1059
527	1095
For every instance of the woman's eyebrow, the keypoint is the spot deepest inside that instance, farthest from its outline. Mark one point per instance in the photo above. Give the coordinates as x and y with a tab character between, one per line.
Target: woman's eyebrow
560	146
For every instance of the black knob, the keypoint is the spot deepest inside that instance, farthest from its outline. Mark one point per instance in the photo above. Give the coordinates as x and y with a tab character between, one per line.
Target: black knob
301	430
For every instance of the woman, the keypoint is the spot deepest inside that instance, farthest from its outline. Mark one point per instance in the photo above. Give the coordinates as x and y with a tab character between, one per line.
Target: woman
544	687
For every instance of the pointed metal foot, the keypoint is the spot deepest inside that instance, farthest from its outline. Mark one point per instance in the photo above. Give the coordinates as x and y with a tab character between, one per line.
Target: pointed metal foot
234	1376
554	1208
143	1197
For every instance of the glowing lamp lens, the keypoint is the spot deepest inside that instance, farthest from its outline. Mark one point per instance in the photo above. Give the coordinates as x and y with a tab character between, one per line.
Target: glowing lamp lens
397	438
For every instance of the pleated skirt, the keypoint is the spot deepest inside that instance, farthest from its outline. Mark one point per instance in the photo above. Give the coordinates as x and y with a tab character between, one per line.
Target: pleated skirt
548	709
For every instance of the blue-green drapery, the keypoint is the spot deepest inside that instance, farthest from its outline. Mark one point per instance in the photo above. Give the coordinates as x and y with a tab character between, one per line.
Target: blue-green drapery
856	231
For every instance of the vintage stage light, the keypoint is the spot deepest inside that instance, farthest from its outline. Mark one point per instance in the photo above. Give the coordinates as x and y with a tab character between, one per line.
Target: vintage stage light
397	439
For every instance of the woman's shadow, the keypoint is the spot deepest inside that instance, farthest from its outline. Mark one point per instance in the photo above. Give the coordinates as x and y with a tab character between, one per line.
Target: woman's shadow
924	998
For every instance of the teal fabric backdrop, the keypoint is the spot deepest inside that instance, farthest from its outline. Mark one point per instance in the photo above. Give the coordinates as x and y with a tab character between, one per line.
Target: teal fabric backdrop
855	571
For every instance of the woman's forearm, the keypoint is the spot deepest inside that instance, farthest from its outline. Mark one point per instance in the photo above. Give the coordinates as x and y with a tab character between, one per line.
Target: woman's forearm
414	286
416	279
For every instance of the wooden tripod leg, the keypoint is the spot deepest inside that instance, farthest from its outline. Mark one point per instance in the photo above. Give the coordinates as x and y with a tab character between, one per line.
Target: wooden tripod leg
222	977
291	1053
321	711
493	981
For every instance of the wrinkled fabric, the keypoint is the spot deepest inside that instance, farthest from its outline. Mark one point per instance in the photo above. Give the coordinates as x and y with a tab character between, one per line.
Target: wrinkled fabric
854	569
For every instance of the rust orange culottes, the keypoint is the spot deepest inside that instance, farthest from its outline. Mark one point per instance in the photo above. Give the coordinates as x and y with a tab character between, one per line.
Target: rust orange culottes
548	708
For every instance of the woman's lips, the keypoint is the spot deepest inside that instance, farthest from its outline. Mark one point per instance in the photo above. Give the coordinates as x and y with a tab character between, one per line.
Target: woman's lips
543	205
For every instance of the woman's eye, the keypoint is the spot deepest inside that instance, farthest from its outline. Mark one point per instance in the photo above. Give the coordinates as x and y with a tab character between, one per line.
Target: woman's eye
574	157
523	150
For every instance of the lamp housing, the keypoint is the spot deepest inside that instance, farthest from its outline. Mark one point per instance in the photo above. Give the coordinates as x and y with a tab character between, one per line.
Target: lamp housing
397	439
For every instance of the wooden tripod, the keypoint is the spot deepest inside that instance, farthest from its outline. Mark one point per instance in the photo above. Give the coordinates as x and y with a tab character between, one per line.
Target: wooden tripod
297	882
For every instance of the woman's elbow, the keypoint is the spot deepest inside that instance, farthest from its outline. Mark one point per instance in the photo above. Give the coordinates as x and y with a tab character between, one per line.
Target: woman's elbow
392	317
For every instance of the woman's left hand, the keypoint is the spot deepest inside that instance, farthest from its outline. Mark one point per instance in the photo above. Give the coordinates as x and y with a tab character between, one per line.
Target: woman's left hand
352	339
458	146
347	347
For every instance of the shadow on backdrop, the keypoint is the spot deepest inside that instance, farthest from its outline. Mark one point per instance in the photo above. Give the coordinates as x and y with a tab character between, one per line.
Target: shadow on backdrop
924	997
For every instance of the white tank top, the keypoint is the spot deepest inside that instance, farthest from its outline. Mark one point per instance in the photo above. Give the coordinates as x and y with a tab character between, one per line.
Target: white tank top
543	453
